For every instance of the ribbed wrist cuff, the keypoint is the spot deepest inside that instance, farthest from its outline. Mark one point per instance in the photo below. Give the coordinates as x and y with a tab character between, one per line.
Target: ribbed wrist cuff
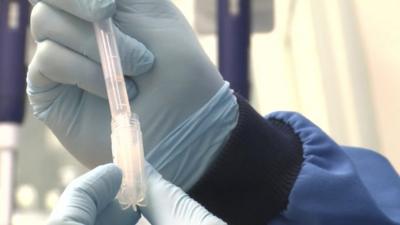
251	179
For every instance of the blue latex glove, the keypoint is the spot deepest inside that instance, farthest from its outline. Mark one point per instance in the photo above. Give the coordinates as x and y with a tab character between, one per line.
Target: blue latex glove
90	200
179	95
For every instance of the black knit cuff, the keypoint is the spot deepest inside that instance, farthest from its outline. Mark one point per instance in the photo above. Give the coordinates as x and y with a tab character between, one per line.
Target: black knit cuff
251	179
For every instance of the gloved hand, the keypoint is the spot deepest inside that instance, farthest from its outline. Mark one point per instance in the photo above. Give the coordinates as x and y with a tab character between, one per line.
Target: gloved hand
179	95
90	200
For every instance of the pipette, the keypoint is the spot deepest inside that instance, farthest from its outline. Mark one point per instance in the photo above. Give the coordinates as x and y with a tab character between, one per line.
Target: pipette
126	137
14	18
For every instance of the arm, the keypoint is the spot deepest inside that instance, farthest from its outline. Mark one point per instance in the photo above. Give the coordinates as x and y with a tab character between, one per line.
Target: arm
196	132
284	170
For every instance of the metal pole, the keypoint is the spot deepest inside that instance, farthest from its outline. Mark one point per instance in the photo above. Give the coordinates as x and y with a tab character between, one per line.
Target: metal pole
234	43
9	136
14	17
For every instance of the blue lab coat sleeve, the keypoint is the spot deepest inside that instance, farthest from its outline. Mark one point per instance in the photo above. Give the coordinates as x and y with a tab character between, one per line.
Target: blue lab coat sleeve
337	184
284	170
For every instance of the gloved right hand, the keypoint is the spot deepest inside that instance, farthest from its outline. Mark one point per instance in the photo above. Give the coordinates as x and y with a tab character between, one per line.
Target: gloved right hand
66	88
90	200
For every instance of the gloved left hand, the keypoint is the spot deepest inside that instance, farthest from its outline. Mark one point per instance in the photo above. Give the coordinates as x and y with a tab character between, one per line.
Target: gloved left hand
90	200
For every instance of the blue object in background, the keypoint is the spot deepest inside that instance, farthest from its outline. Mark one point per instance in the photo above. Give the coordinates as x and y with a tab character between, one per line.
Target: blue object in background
14	17
234	43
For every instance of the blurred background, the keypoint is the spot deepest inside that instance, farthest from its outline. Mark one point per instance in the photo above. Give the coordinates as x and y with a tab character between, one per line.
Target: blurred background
335	61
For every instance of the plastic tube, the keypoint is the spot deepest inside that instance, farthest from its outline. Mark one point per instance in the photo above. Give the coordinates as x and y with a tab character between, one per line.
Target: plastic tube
126	137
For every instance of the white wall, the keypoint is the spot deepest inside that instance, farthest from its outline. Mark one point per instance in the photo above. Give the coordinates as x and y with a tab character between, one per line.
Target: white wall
380	29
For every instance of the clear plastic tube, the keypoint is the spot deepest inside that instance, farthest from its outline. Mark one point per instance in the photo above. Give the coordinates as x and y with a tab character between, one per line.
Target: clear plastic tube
126	137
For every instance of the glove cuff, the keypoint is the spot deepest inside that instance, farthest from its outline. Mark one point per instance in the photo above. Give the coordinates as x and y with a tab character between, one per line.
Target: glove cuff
250	180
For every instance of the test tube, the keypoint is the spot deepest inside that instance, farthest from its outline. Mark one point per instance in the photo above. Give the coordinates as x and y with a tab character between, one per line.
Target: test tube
126	137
